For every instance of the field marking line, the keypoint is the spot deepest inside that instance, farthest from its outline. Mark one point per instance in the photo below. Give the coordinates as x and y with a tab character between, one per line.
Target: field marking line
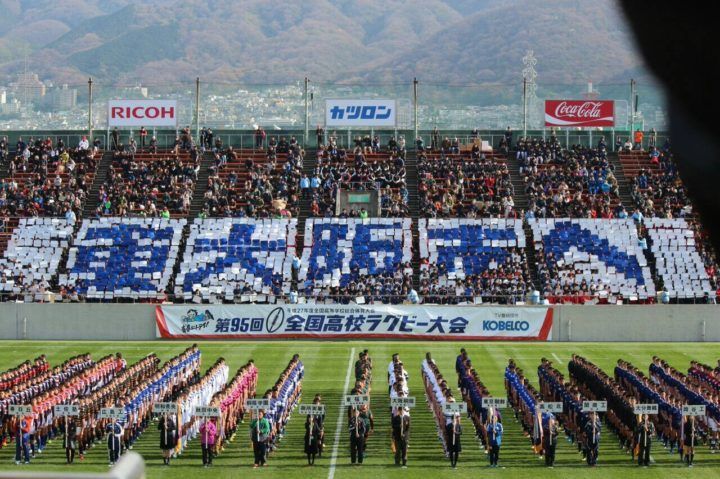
556	358
338	425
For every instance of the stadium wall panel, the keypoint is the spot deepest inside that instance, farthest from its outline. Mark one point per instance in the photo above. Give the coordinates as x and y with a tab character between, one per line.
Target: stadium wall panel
136	322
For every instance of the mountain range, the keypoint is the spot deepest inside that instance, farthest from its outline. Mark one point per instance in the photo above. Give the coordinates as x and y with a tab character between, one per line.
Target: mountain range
354	41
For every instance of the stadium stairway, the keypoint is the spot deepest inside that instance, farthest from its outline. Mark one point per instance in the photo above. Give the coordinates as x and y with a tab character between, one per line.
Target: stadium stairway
624	183
103	167
201	186
411	182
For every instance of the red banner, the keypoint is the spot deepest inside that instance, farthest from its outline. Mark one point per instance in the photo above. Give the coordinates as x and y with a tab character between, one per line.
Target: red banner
569	113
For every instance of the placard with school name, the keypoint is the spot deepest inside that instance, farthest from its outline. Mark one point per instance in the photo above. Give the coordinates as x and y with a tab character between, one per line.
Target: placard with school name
207	411
312	409
594	406
355	400
402	402
494	402
112	413
257	404
66	410
646	409
454	408
693	410
20	409
554	407
165	408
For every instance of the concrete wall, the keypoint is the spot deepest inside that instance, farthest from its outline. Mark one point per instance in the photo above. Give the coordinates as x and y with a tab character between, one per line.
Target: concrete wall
133	322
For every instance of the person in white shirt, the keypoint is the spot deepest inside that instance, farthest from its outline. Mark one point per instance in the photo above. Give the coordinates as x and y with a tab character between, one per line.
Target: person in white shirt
84	144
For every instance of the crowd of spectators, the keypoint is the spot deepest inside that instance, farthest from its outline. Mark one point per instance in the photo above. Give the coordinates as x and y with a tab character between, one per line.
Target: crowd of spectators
578	182
464	186
148	186
256	187
657	190
368	169
46	177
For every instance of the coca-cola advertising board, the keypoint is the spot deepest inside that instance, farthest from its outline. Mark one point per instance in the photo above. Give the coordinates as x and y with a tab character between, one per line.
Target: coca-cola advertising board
569	113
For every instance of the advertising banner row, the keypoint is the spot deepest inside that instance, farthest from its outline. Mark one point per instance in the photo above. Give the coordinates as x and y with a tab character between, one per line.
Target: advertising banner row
295	321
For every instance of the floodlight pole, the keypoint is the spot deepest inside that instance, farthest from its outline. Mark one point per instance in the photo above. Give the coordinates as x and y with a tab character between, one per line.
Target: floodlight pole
90	115
197	110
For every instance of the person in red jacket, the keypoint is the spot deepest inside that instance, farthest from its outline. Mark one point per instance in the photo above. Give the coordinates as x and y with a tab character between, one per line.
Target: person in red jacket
208	432
22	439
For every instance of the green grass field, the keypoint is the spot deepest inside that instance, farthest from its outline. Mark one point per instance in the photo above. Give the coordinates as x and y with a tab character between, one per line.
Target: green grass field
326	366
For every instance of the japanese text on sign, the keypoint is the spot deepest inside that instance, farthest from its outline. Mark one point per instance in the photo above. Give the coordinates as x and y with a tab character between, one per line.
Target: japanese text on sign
19	410
112	413
165	407
596	406
356	400
554	407
402	402
693	410
257	404
454	407
312	409
645	409
207	411
66	410
494	402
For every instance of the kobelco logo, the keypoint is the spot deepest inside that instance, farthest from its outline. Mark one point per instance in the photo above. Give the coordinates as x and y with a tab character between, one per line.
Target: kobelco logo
275	320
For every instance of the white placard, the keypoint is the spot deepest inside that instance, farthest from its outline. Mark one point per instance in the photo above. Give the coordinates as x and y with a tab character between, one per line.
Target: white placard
454	408
693	410
360	112
112	413
312	409
142	113
553	407
594	406
207	411
356	400
494	402
257	404
165	408
402	402
20	409
646	408
66	410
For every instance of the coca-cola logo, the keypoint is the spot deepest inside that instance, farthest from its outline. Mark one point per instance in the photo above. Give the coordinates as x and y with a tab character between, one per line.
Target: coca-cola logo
579	113
589	109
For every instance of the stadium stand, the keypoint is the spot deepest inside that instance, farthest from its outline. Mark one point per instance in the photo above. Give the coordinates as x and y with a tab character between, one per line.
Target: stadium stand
678	262
33	256
129	258
578	182
465	185
237	260
473	261
46	179
367	169
145	184
365	261
255	183
586	260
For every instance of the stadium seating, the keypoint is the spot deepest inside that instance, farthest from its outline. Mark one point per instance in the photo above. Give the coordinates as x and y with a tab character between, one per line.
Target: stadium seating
130	258
466	260
237	260
585	258
357	258
32	257
145	184
256	184
677	260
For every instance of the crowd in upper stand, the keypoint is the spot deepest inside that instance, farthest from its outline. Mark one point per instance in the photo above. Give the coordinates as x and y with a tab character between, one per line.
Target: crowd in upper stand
369	167
46	177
